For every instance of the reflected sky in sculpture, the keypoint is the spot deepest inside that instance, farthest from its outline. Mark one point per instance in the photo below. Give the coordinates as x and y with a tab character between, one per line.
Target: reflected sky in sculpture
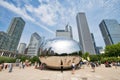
62	45
60	49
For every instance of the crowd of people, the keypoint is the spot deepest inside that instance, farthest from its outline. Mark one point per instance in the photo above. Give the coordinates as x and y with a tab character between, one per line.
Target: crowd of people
5	66
93	65
9	66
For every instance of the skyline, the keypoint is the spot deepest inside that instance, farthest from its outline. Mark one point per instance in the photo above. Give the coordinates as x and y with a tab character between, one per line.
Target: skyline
45	16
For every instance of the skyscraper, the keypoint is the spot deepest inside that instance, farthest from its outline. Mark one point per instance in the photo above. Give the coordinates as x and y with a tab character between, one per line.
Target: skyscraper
34	45
5	41
67	33
95	47
110	30
85	38
15	30
22	48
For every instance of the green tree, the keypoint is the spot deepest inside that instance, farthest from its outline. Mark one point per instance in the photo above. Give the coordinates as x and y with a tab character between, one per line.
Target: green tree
112	50
7	59
85	55
80	53
23	58
34	59
95	57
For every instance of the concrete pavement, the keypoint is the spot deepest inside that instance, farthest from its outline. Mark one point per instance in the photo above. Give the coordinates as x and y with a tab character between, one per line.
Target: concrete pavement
29	73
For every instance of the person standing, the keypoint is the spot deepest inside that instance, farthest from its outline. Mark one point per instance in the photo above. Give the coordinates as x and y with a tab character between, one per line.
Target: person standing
41	66
73	67
6	65
80	64
20	65
23	65
61	66
10	67
36	65
0	67
93	66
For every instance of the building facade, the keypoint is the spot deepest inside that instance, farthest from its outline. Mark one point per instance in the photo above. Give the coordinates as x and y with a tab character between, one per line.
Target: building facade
110	30
67	33
15	31
5	41
95	47
34	45
22	48
100	50
85	38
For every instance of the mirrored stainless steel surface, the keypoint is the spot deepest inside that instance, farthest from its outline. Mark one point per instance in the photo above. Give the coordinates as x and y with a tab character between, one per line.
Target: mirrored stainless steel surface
60	49
60	46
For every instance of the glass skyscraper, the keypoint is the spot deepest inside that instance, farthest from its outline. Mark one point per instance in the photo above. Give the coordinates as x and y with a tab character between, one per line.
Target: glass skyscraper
15	30
85	38
5	41
34	45
110	30
22	48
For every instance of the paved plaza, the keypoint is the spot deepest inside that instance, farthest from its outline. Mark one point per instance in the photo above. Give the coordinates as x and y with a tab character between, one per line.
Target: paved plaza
29	73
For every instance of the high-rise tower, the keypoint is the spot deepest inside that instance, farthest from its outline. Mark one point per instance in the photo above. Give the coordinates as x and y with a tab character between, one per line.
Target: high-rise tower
34	45
110	30
85	38
15	30
22	48
5	41
67	33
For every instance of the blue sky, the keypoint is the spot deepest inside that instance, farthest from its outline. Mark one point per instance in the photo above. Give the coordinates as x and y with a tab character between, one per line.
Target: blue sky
47	16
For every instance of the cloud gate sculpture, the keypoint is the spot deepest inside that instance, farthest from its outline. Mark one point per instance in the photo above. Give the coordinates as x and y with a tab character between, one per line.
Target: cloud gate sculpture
59	50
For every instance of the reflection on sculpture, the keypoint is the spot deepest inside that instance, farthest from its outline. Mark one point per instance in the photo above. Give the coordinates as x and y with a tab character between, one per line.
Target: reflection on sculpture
58	49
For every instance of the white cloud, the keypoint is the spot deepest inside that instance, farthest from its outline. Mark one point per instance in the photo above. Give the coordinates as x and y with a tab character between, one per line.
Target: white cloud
16	10
41	1
44	12
29	8
22	12
54	13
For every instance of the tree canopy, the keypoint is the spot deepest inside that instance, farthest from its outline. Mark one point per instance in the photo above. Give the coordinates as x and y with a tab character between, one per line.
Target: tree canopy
112	50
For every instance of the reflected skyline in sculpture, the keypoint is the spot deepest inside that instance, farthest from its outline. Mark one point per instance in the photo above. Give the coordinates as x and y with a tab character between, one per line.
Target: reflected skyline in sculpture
59	46
60	49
